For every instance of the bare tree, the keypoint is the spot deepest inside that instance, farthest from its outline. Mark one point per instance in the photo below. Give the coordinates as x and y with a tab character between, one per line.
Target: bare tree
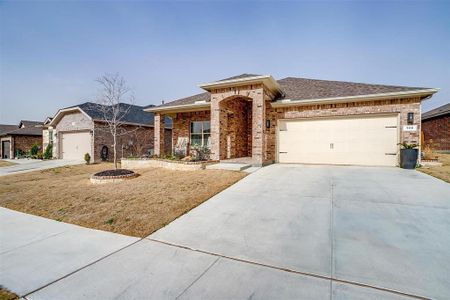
114	103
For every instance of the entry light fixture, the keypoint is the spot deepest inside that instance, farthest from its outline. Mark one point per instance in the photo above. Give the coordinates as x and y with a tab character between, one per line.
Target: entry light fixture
410	118
267	124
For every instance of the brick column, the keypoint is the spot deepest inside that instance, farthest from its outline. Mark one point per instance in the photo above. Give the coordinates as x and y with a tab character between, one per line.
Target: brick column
258	123
215	129
159	136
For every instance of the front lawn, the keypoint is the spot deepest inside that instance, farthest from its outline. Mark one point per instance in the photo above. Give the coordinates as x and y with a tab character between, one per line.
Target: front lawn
135	207
4	163
7	295
442	172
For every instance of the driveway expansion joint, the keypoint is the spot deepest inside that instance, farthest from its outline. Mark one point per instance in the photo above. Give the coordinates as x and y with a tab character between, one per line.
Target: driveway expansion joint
198	278
82	268
301	273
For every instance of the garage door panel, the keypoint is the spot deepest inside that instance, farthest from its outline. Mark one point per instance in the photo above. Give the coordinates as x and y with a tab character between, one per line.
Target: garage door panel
76	145
359	141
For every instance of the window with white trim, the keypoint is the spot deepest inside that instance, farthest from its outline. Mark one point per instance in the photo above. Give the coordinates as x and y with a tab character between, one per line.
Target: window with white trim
200	133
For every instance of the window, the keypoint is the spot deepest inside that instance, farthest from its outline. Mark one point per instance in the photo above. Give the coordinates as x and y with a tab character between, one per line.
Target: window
200	133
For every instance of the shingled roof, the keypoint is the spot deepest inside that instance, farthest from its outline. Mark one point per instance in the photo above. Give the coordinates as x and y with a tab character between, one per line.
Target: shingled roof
135	114
306	89
5	128
25	128
439	111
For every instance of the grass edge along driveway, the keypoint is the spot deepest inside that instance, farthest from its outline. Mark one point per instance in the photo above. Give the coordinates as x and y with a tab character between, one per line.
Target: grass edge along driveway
135	207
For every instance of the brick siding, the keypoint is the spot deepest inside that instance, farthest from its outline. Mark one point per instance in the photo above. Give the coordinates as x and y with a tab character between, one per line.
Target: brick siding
133	141
71	122
399	106
228	124
436	132
136	142
182	124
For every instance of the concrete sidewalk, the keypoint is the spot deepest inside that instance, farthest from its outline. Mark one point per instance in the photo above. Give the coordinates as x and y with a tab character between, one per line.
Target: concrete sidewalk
29	165
35	251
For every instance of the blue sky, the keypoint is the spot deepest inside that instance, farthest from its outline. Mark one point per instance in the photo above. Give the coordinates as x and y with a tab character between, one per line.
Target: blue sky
51	52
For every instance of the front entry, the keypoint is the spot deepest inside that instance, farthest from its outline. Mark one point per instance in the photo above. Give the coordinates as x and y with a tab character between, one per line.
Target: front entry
363	140
235	128
6	149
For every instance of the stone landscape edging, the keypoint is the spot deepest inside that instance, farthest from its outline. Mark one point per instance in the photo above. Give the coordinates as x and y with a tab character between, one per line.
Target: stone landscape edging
165	163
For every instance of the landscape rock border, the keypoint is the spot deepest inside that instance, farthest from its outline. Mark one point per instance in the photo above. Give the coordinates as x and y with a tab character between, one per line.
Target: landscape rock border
165	163
101	179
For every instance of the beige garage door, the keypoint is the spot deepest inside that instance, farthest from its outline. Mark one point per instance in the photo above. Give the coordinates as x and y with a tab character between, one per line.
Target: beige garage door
75	145
355	141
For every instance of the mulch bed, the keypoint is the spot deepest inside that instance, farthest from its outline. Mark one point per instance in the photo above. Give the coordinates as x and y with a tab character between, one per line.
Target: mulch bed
118	172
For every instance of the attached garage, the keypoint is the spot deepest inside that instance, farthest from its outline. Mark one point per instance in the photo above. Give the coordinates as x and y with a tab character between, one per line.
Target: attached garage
6	149
75	145
359	140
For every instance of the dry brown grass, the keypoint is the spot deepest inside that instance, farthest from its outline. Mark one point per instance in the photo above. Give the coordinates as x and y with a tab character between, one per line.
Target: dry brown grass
135	207
7	295
442	172
4	163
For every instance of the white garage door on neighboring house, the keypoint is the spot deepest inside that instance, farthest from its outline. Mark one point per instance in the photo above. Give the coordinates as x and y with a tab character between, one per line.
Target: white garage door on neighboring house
75	145
358	140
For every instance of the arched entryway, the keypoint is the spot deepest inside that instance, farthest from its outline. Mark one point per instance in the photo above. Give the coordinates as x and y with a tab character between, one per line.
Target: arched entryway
235	127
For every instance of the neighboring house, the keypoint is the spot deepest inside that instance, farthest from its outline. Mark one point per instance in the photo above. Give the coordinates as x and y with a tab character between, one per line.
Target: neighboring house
18	140
436	128
296	120
81	129
48	134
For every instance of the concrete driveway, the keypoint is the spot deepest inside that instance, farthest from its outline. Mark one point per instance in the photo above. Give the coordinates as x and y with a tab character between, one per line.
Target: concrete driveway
289	232
29	165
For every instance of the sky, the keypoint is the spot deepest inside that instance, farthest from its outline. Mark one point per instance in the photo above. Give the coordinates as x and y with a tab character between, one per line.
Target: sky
51	52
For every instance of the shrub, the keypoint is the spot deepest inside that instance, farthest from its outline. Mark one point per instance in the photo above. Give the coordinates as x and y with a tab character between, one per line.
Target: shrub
19	153
48	153
406	145
87	158
39	155
200	153
34	149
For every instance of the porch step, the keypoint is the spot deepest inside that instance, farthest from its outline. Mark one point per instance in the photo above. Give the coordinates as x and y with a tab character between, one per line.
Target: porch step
229	166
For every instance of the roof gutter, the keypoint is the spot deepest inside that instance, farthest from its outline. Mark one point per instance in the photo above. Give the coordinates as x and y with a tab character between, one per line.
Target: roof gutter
427	93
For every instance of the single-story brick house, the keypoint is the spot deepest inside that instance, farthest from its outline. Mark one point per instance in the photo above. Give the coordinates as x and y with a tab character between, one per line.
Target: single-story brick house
295	120
436	128
16	140
82	129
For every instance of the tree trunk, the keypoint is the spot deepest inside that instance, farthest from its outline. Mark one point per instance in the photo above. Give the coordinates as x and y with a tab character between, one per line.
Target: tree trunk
115	150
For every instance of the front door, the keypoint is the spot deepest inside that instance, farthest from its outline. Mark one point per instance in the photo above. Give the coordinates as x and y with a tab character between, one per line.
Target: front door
6	149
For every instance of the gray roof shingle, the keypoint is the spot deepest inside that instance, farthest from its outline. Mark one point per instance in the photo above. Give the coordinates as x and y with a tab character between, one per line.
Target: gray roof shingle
34	130
306	89
439	111
6	128
135	114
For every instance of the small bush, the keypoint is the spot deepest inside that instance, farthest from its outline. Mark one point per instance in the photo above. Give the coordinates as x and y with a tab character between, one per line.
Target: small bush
20	153
39	155
87	158
34	149
48	153
200	153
